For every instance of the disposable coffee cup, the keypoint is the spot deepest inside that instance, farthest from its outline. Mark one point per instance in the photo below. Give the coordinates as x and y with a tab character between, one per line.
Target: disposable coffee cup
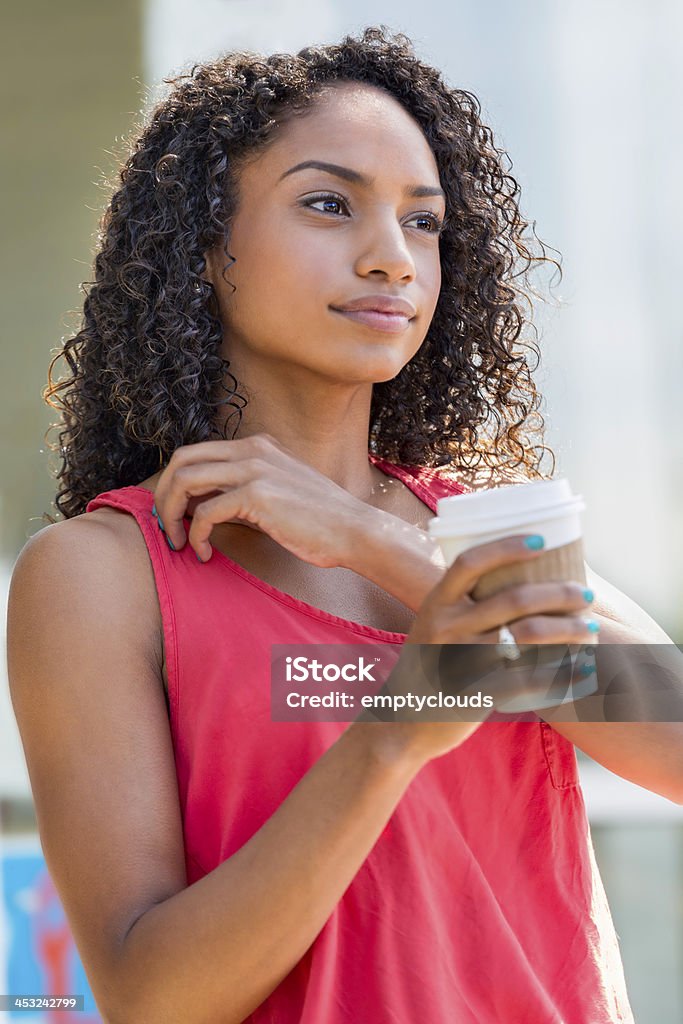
545	507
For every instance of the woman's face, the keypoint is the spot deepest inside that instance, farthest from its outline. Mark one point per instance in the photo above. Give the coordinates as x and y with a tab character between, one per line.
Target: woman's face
308	240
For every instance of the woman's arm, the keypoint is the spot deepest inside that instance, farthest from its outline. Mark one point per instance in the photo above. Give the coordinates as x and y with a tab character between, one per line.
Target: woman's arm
85	682
636	648
400	558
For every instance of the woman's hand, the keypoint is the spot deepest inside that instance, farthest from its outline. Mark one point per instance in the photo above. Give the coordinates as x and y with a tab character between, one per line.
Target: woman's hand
437	654
256	482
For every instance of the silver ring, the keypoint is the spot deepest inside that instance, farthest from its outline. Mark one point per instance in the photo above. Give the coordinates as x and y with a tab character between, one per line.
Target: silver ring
507	645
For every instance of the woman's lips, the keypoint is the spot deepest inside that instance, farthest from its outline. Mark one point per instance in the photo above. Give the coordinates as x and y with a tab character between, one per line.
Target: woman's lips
394	323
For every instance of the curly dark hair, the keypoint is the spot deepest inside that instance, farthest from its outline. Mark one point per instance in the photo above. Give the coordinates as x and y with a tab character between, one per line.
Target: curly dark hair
146	374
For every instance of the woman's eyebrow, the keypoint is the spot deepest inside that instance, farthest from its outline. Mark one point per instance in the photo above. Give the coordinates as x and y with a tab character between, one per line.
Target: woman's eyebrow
359	179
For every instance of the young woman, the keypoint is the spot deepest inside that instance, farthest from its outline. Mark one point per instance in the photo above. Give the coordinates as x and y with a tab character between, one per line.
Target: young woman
304	329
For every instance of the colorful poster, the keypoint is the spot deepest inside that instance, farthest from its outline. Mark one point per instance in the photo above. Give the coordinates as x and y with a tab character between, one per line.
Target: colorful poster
39	957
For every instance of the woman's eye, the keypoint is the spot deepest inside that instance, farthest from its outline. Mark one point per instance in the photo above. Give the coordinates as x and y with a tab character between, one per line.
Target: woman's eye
327	199
432	223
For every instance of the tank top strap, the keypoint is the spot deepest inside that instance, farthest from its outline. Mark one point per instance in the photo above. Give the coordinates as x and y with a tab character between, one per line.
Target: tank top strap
136	500
139	502
428	483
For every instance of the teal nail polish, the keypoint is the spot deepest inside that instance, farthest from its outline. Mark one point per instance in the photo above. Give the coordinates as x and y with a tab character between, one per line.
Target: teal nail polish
587	670
535	542
588	595
198	558
170	543
154	510
592	625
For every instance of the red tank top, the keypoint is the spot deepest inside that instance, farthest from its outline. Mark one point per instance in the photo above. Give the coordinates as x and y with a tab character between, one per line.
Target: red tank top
480	902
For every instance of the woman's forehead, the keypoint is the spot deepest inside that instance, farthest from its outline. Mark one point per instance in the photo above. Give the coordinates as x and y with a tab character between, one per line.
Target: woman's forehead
353	107
357	126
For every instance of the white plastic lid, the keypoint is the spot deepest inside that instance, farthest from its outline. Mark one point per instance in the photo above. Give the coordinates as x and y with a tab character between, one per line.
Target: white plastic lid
505	508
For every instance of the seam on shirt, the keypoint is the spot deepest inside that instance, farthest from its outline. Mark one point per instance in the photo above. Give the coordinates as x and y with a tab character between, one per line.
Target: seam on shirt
550	752
196	862
288	601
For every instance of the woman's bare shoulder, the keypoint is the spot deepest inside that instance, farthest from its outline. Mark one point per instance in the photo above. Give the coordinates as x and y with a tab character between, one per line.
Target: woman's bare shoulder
97	553
106	538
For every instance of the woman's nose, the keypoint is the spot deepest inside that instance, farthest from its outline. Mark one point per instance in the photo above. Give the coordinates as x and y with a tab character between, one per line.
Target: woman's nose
386	251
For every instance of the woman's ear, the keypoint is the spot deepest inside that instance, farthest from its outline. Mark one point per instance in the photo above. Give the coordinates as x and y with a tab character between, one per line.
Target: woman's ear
208	274
216	264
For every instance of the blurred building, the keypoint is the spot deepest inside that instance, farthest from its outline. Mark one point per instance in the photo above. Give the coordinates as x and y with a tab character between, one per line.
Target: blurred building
584	97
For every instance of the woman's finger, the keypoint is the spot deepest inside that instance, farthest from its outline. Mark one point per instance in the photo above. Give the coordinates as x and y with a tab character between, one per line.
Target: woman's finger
239	503
523	600
464	573
262	445
548	629
190	486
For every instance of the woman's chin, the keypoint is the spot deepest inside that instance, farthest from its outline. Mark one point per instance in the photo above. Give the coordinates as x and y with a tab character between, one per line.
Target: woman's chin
370	369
